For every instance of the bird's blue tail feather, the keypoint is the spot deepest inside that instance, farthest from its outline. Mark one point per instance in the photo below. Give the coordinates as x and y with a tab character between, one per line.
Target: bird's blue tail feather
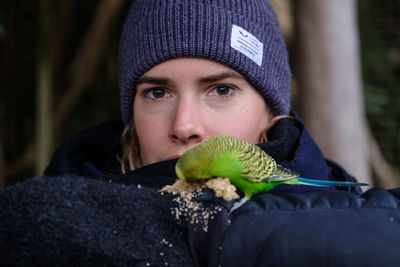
313	182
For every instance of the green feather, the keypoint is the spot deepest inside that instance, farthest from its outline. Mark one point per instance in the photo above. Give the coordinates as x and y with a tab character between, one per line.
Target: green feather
226	165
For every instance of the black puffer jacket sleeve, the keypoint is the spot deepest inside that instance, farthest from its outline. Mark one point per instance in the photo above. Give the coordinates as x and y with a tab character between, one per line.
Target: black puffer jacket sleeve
315	229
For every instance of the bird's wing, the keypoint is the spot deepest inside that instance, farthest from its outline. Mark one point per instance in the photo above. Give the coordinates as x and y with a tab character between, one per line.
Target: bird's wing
281	174
256	163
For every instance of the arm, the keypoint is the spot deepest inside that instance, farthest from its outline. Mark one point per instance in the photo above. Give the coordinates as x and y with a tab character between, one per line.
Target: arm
72	220
315	229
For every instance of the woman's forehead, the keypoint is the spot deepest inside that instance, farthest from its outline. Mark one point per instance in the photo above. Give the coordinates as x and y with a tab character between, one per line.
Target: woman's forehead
197	63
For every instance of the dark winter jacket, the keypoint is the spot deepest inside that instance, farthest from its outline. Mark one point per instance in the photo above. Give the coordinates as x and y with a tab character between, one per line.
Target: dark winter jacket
83	212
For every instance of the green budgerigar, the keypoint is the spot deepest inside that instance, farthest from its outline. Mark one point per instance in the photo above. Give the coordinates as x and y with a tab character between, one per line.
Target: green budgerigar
247	166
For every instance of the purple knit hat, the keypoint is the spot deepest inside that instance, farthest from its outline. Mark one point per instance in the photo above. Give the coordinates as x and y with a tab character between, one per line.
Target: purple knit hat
241	34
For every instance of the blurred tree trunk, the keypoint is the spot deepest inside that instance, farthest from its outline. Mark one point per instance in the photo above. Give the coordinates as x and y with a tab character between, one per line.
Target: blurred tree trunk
88	57
62	74
327	69
284	12
44	126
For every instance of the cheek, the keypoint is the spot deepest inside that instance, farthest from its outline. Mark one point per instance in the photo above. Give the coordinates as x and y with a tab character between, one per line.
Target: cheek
245	123
149	129
146	121
143	127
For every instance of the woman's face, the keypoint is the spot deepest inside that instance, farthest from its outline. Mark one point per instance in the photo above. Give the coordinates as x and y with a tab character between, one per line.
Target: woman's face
182	102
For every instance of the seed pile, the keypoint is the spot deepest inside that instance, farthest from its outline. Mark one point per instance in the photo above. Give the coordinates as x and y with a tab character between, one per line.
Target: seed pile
223	188
195	212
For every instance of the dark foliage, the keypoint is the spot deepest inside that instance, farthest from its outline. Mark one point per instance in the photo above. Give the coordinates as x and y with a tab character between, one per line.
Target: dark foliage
380	38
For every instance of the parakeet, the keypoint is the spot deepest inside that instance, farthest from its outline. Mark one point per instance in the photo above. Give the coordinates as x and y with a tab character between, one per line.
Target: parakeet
247	166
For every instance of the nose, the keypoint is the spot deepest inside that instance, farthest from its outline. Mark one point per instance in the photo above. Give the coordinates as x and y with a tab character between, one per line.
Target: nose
187	126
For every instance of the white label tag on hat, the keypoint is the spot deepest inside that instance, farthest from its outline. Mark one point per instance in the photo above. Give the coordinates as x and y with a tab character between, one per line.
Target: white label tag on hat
247	44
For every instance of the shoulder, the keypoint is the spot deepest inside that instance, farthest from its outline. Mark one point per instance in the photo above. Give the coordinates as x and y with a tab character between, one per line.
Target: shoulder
337	173
98	144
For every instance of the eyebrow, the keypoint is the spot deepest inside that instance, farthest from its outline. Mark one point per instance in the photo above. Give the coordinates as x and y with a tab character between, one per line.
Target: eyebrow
154	80
220	76
206	79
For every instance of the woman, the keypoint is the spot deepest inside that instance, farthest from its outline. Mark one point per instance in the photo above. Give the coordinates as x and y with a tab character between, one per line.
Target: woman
190	70
186	53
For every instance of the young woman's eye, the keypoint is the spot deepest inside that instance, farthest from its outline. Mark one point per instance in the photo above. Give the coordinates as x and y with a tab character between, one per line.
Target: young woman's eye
156	93
222	90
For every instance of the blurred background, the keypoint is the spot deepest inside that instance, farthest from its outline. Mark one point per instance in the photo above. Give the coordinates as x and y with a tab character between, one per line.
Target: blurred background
58	76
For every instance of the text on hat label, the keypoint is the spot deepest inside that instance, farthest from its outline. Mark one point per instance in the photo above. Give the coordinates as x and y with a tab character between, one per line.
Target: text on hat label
247	44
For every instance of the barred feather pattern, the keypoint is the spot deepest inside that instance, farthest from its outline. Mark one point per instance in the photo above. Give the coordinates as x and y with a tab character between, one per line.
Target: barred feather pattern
257	165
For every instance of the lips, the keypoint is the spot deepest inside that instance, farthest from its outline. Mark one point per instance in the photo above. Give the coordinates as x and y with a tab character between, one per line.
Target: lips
173	157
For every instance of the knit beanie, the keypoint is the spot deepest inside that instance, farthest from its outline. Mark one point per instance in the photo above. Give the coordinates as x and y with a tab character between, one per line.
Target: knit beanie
241	34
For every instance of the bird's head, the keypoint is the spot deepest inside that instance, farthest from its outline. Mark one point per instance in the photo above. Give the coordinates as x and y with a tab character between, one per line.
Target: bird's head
179	172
